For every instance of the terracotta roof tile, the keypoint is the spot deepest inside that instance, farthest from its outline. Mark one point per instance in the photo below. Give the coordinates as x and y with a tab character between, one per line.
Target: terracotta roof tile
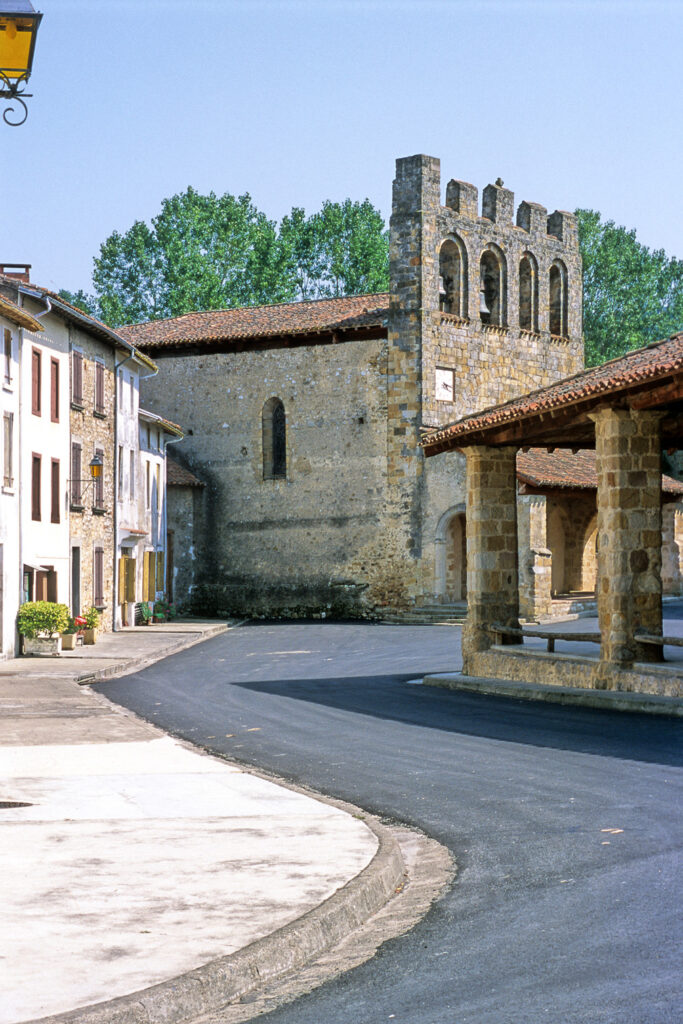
570	470
645	364
179	476
244	322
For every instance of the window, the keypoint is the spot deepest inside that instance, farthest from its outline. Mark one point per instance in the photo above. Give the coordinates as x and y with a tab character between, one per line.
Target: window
54	391
492	288
98	485
157	495
99	389
8	449
131	383
453	278
8	356
35	487
77	378
274	432
121	392
98	577
445	384
148	494
36	371
528	293
119	470
54	495
131	476
76	497
558	300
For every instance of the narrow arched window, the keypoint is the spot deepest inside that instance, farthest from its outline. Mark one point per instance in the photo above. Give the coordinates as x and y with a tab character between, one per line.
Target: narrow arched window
528	293
492	285
558	299
453	278
274	432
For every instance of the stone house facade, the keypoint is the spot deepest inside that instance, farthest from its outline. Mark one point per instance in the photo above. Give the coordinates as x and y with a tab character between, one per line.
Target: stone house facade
304	419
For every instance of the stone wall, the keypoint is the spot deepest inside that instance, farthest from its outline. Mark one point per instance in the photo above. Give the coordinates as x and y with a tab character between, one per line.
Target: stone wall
94	430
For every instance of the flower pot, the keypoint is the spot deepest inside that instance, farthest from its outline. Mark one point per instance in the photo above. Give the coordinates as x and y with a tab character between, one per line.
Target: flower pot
90	636
43	646
69	641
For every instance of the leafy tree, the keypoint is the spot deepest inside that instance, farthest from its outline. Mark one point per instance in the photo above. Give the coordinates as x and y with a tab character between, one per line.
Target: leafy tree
80	299
632	295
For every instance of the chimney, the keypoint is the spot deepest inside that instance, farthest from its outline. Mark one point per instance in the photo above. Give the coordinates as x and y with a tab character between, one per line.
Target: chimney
17	271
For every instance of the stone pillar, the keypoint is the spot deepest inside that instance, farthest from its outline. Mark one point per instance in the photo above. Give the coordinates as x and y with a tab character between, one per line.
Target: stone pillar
629	588
492	589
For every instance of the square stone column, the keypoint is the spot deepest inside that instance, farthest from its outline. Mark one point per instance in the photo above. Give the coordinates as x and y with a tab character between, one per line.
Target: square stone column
629	591
492	588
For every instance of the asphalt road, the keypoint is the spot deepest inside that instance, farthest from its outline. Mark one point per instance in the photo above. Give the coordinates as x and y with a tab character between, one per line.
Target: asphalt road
565	823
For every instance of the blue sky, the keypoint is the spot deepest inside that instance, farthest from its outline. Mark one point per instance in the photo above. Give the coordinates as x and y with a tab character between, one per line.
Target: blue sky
573	104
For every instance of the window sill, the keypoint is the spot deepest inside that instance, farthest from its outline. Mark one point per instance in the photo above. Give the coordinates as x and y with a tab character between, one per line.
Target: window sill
78	406
75	507
8	488
99	414
8	385
96	511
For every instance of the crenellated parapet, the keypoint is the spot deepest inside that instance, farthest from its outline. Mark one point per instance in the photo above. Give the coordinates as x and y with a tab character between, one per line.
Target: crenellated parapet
490	295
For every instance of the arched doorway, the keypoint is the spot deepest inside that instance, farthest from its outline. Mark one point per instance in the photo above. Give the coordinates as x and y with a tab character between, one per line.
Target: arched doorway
450	582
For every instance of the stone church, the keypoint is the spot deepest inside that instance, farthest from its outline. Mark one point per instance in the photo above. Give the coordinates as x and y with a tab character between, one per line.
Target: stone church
302	420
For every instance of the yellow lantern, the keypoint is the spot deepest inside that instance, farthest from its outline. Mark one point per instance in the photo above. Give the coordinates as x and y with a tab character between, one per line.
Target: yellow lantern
19	23
96	465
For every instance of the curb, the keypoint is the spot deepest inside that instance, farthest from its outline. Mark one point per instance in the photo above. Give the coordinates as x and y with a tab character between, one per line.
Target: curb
118	668
608	700
215	985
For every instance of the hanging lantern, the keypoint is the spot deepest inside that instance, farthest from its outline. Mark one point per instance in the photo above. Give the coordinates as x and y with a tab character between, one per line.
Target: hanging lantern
19	23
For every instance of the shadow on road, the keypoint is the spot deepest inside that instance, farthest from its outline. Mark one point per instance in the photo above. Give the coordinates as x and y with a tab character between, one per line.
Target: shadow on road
583	730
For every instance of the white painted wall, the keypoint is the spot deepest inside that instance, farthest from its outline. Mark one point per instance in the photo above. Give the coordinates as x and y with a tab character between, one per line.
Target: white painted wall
10	573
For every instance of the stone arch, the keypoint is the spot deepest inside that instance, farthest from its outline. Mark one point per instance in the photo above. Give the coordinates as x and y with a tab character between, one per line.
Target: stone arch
528	292
453	277
274	438
556	539
450	563
557	282
589	557
493	287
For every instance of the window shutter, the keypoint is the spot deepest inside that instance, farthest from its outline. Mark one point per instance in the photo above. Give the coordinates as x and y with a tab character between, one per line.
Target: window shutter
55	502
145	577
131	569
54	391
151	576
98	578
77	378
99	482
99	387
35	488
35	382
122	579
76	496
160	570
8	356
8	432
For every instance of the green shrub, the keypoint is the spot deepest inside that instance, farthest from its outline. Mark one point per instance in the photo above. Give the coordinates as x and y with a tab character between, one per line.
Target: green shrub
42	617
92	618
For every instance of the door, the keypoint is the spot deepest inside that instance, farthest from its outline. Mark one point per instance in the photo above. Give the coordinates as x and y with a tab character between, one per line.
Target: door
75	581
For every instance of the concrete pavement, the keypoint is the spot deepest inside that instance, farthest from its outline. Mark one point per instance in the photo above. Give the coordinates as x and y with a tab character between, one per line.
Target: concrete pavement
132	862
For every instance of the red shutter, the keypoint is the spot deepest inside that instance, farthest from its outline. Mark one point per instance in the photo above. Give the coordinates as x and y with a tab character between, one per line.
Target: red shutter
54	391
77	378
35	488
35	383
54	514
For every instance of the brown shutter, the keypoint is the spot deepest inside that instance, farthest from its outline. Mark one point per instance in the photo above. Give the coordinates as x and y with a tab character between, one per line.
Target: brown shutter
98	578
99	482
55	502
51	585
54	391
35	382
35	488
99	387
76	496
8	356
77	378
131	568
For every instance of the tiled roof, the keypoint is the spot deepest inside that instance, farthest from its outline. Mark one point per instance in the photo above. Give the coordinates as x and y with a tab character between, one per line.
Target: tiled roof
168	425
178	476
645	364
19	316
290	318
569	470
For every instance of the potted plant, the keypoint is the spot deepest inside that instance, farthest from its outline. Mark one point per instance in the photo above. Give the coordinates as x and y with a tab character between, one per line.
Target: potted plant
163	611
40	623
69	635
92	621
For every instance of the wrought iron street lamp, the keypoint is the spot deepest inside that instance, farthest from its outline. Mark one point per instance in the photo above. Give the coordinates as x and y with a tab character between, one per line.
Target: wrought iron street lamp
19	23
